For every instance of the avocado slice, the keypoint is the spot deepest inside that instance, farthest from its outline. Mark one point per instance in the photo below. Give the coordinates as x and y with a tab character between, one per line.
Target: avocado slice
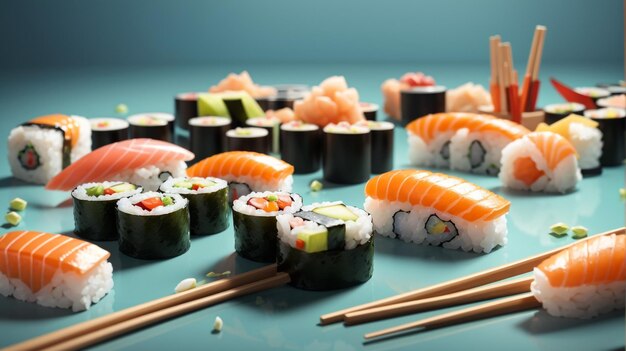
183	184
95	190
339	211
123	187
312	240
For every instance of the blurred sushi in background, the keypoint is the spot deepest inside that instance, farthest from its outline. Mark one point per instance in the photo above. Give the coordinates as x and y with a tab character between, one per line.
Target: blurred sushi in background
391	90
330	102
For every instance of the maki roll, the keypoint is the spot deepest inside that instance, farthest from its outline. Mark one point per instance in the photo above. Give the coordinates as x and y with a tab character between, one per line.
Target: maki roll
208	202
301	146
95	208
105	131
207	135
347	153
186	107
282	99
254	218
248	139
555	112
421	101
594	93
326	246
382	145
369	110
612	124
153	225
272	125
42	147
150	126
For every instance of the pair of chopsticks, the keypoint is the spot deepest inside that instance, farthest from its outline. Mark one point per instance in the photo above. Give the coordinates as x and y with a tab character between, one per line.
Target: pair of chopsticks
503	83
455	292
119	323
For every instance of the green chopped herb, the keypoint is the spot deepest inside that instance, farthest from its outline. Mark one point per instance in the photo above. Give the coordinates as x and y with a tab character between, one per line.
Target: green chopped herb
167	201
95	190
121	109
579	232
316	185
559	229
622	194
214	275
272	198
13	218
18	204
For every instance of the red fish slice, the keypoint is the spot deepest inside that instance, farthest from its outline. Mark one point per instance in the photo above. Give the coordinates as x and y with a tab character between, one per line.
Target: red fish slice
571	95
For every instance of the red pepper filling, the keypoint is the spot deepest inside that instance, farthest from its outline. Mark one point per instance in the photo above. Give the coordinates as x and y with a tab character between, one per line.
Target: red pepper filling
263	203
150	203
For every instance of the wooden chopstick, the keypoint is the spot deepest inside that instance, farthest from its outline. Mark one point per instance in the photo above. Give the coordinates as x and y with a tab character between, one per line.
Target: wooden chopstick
481	278
535	82
501	289
511	304
501	78
529	69
494	86
128	326
68	333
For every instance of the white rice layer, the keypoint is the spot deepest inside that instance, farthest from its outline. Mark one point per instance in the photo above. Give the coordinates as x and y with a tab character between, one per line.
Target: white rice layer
258	184
492	142
561	179
241	205
80	192
168	185
588	144
126	204
151	177
48	143
65	289
357	232
584	301
422	154
479	236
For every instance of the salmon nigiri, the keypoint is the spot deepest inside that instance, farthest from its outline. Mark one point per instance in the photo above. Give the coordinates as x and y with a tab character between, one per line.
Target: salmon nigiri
246	171
144	162
584	280
540	161
436	209
465	141
53	270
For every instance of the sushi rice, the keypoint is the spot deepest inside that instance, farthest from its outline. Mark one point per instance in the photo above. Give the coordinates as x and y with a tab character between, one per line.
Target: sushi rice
127	204
168	186
80	192
152	176
241	204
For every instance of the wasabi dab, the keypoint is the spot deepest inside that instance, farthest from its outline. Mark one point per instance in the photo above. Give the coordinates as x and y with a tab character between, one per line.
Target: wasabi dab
579	232
18	204
316	185
122	109
13	218
559	229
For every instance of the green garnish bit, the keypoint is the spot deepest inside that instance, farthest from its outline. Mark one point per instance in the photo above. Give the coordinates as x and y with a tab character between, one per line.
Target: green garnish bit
243	131
622	194
167	201
579	232
96	190
272	198
121	109
183	184
18	204
316	185
215	275
13	218
559	229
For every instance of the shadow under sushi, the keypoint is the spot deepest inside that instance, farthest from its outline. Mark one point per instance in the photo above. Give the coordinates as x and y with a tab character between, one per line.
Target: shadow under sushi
527	193
12	182
397	247
542	323
14	309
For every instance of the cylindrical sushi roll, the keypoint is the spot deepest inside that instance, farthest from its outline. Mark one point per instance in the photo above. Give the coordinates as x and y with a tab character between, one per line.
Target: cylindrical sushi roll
301	146
594	93
613	88
464	141
586	138
64	272
186	108
95	208
105	131
540	161
246	171
248	139
382	145
282	99
148	126
612	124
584	280
272	125
42	147
207	135
347	155
326	246
153	225
555	112
436	209
254	218
421	101
298	89
209	210
369	110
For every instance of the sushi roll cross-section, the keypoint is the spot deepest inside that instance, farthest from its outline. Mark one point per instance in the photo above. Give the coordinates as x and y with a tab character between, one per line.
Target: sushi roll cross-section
326	246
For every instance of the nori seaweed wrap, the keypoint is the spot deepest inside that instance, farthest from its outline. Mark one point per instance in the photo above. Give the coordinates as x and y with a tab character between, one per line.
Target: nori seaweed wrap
207	136
151	228
105	131
421	101
186	108
150	126
347	153
248	139
301	146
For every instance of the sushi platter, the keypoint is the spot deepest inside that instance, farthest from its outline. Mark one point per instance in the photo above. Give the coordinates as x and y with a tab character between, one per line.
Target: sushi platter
258	216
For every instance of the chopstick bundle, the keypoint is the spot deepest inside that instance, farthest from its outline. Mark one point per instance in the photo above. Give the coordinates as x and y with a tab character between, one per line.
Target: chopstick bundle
173	305
478	279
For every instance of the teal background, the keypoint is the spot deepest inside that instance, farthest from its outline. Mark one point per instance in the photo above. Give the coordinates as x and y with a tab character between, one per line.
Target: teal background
159	32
